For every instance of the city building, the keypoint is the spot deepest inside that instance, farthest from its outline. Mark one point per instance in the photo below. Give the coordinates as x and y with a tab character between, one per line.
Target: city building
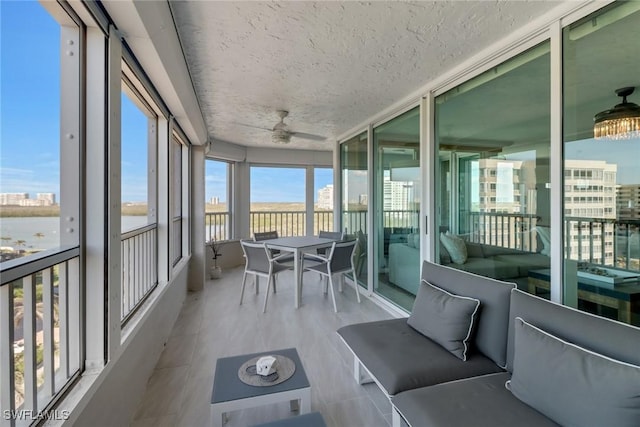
325	197
628	202
7	199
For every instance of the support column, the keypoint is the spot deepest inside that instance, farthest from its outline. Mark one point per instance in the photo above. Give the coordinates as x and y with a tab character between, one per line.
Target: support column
198	261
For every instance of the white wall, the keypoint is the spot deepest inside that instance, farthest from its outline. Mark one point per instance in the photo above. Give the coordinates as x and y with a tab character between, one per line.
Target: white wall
116	392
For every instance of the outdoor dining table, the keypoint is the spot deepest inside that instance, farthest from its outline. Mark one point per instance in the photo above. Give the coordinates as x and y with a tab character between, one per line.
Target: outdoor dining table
298	245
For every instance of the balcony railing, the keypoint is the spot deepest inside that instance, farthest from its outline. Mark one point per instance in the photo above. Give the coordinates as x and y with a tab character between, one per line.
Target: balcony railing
606	242
507	230
598	241
40	332
287	223
217	226
139	258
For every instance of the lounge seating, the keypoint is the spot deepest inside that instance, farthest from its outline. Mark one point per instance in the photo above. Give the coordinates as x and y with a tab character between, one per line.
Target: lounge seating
531	345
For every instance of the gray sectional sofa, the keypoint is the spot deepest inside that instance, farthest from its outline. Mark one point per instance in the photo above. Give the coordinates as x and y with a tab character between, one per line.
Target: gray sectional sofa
500	263
521	360
506	264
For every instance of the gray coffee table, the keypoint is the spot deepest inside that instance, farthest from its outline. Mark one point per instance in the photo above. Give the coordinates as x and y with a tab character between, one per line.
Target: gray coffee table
231	394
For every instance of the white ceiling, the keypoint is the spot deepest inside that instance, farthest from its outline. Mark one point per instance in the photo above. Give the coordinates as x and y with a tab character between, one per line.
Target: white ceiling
333	65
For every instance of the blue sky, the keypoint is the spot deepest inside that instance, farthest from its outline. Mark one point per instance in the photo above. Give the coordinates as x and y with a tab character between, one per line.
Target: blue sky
30	117
30	110
268	184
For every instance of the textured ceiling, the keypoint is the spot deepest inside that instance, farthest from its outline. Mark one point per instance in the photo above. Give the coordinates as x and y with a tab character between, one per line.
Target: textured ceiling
333	65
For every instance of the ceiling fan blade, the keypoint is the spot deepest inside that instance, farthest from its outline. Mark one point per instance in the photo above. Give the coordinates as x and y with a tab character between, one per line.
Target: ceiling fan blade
253	127
308	136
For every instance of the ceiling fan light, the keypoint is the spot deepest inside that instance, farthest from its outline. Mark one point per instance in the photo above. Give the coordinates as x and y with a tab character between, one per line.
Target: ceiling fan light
620	122
280	136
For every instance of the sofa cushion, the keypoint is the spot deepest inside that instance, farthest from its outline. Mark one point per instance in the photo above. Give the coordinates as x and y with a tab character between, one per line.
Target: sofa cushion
493	321
608	337
401	358
490	267
479	402
474	250
455	246
571	385
445	318
525	261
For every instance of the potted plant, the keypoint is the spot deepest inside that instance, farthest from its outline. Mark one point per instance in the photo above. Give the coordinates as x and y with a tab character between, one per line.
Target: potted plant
215	271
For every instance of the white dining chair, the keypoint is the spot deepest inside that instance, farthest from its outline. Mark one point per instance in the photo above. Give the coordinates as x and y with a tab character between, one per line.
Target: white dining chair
260	263
338	261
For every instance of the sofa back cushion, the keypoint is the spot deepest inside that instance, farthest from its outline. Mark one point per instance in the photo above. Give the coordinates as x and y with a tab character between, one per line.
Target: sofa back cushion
492	324
598	334
572	385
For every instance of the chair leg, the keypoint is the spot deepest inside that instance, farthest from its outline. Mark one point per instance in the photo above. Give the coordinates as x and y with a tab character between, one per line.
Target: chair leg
333	295
266	295
326	284
256	282
340	282
274	284
244	281
355	284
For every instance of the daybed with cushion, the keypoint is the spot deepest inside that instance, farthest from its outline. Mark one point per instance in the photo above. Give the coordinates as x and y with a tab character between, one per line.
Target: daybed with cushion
562	366
400	358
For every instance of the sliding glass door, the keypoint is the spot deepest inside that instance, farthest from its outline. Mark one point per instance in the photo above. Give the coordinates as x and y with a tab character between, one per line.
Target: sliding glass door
354	198
493	177
396	146
601	53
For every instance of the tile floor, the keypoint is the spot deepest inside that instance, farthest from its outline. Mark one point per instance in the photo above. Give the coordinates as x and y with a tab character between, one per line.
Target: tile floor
212	324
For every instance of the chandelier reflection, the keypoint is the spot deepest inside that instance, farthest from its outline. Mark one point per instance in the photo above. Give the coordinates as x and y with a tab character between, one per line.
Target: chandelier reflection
620	122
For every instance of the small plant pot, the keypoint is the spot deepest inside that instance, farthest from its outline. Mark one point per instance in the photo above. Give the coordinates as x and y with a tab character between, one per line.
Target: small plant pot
215	272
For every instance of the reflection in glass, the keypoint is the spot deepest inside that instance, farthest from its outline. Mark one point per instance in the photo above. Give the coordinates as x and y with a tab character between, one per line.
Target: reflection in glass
493	138
397	206
353	196
601	187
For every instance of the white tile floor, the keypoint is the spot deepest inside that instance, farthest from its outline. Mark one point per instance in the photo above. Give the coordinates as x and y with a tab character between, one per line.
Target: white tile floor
212	324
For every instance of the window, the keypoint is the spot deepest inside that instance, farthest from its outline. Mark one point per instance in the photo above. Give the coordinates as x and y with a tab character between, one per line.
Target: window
217	214
41	343
139	145
176	172
323	191
278	200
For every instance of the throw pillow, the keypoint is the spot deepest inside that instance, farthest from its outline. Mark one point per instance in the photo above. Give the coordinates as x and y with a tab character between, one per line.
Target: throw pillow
545	237
455	246
445	258
445	318
571	385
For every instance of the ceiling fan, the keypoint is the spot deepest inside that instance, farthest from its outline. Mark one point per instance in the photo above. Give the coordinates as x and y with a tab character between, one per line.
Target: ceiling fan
281	134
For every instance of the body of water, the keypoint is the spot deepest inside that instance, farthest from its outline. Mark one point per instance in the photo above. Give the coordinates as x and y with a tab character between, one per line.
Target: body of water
25	229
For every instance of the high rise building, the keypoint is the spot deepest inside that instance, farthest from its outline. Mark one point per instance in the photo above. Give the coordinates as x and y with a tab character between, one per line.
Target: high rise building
325	197
12	198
